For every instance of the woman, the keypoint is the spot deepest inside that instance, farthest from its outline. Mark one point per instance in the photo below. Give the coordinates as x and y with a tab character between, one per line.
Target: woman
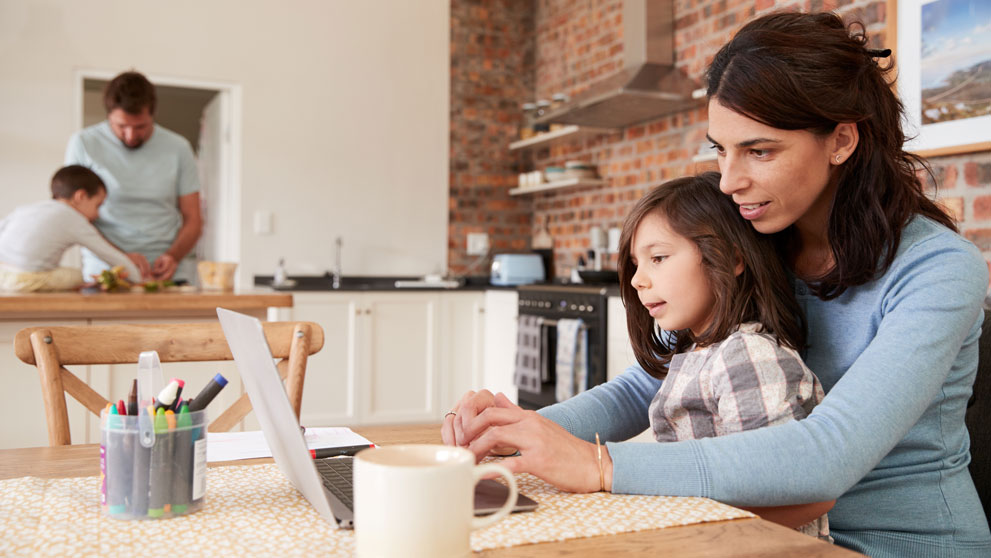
809	141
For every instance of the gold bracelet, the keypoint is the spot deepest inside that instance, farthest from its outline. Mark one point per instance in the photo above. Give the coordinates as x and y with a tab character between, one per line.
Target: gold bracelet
602	477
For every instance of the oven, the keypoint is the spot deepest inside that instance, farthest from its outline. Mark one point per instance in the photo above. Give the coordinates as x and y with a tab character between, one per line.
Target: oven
551	303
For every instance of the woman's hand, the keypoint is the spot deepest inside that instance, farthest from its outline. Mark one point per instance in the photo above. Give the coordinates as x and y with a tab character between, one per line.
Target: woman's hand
487	422
471	403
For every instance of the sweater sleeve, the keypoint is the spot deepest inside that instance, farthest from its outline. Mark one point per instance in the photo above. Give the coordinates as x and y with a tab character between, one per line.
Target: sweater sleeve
617	409
89	237
930	304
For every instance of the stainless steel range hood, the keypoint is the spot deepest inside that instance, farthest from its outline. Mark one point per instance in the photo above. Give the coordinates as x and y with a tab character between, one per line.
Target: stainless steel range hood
648	86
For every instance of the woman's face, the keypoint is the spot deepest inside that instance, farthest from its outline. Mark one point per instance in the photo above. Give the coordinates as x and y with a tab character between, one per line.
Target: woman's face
777	177
669	279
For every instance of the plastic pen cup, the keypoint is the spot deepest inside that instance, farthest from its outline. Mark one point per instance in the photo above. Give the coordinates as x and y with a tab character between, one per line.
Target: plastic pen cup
165	479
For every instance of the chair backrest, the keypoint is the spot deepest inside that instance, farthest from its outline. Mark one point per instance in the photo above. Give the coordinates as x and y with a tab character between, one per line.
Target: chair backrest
979	419
53	348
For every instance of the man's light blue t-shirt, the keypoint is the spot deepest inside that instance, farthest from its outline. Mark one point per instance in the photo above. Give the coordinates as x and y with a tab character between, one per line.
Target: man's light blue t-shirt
141	212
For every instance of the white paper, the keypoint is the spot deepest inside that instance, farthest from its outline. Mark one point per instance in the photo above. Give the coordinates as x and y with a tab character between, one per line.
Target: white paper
231	446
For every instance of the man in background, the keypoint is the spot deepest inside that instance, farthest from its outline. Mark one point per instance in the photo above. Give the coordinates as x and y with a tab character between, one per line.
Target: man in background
152	210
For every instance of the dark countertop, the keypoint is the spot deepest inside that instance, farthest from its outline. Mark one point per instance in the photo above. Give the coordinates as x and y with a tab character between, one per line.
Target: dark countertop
386	283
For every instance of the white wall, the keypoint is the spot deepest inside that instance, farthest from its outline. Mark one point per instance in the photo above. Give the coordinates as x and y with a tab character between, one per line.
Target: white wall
345	113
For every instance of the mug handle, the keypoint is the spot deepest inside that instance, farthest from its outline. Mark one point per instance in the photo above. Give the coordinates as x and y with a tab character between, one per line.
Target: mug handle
477	473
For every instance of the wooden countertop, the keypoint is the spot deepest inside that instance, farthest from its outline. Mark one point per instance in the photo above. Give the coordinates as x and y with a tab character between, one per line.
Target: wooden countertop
99	305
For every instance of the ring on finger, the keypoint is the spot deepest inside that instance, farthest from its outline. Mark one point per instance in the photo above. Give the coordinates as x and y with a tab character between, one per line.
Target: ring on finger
450	414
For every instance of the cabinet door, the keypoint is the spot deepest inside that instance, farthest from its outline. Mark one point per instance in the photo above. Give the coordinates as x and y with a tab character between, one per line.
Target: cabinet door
619	351
401	380
329	392
22	413
501	311
462	345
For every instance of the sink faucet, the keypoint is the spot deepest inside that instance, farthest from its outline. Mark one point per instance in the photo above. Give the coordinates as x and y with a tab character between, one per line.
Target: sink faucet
337	263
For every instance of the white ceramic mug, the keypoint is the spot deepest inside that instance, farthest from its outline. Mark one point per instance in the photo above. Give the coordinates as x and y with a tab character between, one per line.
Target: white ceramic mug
418	500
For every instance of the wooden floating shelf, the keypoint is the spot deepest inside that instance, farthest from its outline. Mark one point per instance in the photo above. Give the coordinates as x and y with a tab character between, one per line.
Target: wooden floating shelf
568	133
558	184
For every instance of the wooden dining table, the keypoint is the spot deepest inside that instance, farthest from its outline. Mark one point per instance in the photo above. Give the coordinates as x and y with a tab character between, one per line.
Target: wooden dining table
749	537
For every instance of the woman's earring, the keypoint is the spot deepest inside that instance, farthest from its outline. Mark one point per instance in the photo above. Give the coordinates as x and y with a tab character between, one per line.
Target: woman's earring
837	159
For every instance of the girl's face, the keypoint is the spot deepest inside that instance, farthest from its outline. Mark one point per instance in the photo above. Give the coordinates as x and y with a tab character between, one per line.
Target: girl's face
669	278
777	177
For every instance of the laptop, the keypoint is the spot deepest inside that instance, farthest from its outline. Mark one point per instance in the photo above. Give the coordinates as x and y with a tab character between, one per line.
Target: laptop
325	483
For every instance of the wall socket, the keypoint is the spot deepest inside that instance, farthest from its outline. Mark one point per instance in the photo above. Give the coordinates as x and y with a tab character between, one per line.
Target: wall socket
478	244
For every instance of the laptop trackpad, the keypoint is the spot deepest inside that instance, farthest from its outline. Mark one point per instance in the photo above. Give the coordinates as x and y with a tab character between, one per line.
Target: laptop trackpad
491	495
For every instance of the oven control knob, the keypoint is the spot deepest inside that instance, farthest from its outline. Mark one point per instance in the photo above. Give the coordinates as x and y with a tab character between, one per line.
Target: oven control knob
572	306
581	308
589	308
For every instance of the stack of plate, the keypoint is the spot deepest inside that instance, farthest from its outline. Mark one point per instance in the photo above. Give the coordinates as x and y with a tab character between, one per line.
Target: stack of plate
579	169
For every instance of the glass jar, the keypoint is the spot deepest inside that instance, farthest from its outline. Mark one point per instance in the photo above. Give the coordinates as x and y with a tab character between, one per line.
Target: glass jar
543	107
526	126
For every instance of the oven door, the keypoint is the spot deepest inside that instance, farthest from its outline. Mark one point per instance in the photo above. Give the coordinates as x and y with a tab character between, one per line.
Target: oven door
594	331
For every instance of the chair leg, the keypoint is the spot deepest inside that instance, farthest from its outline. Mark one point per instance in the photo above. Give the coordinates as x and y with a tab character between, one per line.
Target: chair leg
298	352
51	388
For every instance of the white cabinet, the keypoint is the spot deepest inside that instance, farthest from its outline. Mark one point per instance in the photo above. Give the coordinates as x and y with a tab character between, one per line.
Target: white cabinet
619	352
463	344
501	313
389	357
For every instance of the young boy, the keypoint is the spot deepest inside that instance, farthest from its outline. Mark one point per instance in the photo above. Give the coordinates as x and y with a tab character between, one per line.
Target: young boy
34	237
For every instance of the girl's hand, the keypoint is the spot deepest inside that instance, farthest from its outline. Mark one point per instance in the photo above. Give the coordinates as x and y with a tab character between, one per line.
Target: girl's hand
546	450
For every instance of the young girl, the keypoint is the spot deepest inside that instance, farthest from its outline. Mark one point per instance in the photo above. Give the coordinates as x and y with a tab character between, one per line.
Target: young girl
709	310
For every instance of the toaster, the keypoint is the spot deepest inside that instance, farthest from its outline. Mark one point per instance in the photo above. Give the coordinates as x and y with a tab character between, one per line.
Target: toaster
517	269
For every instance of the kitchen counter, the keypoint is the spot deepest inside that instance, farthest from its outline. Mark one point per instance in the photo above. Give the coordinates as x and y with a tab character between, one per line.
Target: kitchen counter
137	305
323	283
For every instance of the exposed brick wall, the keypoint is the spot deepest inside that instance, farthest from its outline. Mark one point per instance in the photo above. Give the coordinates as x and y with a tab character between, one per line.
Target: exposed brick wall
492	44
579	42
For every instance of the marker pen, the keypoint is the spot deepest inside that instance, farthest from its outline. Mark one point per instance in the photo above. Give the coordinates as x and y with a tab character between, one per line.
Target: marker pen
132	399
117	479
141	473
182	477
178	392
168	394
160	477
209	391
320	453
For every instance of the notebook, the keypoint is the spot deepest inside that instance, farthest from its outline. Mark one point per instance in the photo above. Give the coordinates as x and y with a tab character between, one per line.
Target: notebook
325	483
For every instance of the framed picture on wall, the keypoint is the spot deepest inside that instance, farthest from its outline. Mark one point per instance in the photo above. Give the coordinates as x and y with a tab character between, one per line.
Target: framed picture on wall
944	74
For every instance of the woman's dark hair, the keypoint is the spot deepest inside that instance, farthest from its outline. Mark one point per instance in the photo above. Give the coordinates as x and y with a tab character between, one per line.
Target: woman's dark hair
69	179
802	71
695	209
130	92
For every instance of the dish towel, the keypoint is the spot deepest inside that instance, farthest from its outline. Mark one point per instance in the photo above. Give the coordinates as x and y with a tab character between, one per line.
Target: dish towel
527	377
572	358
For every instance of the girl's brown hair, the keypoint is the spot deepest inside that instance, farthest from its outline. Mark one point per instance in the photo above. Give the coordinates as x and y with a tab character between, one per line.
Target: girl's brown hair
802	71
695	209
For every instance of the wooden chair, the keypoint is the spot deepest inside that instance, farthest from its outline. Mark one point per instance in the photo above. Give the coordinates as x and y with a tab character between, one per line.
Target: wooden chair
51	349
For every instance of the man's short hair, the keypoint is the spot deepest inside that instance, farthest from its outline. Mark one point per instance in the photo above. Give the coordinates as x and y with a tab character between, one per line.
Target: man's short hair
72	178
131	92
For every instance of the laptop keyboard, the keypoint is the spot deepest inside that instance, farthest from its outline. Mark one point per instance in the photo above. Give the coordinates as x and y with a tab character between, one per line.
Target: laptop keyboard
336	474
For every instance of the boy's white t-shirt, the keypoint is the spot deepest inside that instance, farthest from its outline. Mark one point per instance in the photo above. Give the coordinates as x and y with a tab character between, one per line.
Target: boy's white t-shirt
34	237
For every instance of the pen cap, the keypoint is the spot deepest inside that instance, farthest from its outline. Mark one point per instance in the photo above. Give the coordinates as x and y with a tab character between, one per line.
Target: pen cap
150	382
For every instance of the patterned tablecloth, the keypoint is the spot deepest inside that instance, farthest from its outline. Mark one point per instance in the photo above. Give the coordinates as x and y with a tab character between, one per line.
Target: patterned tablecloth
253	510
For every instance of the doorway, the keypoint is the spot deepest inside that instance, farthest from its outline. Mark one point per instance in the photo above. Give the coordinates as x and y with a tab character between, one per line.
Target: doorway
208	115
